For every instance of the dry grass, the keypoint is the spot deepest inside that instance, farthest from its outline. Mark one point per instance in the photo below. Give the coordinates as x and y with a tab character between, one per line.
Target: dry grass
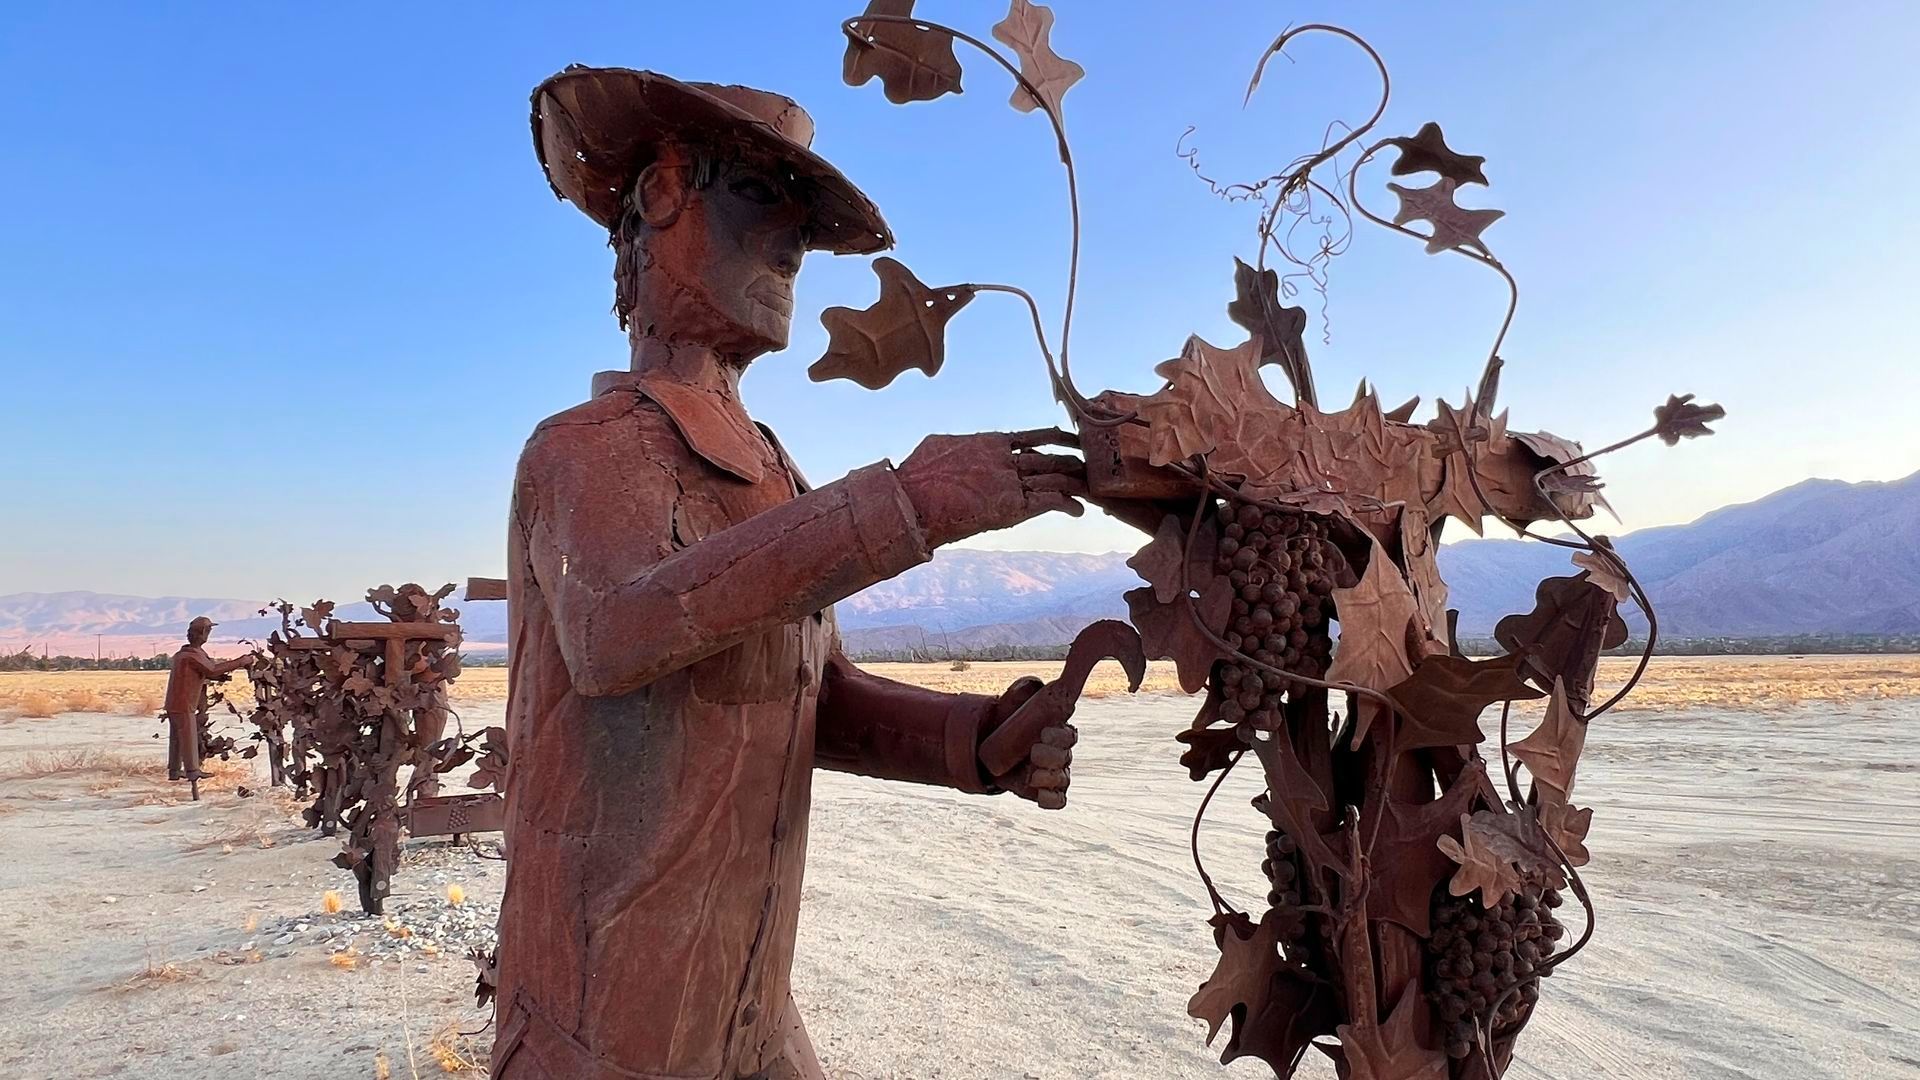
456	895
455	1052
345	960
83	699
232	835
156	975
133	693
38	704
381	1070
330	901
141	702
83	763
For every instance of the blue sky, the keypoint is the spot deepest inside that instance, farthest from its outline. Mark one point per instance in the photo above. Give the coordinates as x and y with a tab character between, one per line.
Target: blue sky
283	292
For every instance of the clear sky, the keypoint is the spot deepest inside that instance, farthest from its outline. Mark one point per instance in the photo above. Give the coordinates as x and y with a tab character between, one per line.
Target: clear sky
282	290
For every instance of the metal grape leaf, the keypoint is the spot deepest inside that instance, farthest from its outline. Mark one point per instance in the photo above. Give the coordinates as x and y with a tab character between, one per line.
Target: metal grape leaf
1167	631
1026	31
1298	1009
1405	860
1454	226
1427	151
913	62
1680	419
905	328
1391	1051
1516	837
1551	752
314	617
1280	329
1446	694
1208	749
1480	866
1374	616
1294	798
1159	564
1602	571
1241	981
1567	825
1215	405
1572	621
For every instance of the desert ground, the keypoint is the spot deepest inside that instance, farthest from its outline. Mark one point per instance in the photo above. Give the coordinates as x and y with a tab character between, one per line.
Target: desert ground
1756	865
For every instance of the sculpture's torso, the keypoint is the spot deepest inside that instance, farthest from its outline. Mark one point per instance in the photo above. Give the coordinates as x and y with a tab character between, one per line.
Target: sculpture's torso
187	680
657	839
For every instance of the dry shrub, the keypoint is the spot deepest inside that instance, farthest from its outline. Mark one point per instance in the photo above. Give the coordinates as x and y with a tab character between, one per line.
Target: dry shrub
83	762
456	894
455	1052
252	922
233	835
141	703
381	1070
83	699
39	704
345	960
154	975
330	903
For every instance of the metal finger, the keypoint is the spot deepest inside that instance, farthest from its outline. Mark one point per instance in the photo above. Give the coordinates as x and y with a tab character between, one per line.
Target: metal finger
1048	778
1050	757
1030	462
1027	440
1062	736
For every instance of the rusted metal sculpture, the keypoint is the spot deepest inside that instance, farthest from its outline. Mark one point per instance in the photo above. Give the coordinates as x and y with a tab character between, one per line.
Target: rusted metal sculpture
1410	915
675	671
363	700
187	704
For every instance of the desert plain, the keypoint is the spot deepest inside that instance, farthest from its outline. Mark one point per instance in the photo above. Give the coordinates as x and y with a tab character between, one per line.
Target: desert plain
1756	871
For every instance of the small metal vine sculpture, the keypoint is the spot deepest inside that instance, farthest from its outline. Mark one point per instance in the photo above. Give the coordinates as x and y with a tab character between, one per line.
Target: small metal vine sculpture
352	703
1413	889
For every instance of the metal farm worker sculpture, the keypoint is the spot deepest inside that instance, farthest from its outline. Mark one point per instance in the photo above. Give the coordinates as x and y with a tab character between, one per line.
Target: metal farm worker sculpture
676	674
187	698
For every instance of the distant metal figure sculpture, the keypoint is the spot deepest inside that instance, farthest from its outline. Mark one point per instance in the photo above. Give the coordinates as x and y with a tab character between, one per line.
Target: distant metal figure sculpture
676	674
186	706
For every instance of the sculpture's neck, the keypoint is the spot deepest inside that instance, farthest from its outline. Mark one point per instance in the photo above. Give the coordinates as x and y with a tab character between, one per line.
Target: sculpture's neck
699	366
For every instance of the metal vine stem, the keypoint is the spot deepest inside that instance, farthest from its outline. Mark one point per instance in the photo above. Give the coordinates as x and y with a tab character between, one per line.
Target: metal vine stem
1061	376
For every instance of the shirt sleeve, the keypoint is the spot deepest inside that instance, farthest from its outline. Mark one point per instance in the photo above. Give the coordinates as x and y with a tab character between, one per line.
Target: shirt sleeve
632	600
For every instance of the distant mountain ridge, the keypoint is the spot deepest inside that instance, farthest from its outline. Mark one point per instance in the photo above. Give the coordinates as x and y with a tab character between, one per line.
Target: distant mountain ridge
1823	556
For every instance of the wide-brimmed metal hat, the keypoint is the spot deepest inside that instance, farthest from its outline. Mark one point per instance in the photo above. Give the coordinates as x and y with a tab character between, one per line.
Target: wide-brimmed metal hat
596	128
201	621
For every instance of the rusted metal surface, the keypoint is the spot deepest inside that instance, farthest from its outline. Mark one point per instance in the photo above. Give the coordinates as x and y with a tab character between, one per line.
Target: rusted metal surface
455	815
350	704
189	736
676	672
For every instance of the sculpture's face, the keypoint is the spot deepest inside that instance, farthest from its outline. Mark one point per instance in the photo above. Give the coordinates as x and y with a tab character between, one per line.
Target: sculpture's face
719	271
198	634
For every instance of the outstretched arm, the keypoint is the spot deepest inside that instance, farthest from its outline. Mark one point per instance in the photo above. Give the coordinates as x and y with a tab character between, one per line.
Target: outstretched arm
633	599
878	727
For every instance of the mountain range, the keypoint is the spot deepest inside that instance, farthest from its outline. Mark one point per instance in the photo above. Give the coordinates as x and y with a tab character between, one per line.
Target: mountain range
1821	556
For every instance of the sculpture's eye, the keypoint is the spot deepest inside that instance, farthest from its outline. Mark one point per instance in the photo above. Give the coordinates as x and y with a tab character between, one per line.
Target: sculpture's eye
755	190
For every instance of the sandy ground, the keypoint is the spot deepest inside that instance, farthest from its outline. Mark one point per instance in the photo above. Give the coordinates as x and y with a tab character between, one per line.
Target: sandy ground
1757	870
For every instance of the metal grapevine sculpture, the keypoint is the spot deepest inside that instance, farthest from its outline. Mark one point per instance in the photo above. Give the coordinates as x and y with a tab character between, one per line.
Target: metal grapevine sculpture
1414	881
361	700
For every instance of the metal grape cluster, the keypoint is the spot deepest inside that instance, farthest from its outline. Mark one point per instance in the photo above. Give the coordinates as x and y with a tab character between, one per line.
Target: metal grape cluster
1413	879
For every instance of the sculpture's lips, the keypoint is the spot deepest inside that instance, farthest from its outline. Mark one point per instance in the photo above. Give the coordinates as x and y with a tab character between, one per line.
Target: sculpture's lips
772	293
